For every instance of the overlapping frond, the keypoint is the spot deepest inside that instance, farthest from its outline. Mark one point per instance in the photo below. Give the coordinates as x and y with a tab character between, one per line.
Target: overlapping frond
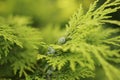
89	42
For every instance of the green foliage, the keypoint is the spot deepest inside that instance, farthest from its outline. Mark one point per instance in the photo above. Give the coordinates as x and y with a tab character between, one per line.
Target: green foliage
18	49
87	44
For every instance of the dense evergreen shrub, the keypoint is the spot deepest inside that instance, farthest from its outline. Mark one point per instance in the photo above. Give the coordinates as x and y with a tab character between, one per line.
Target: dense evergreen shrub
86	45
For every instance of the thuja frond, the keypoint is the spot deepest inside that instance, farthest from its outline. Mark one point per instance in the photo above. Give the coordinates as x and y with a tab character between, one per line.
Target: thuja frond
19	44
89	42
68	74
94	16
7	39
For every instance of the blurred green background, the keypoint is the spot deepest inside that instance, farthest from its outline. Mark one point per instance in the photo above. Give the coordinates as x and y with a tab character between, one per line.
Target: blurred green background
42	12
49	16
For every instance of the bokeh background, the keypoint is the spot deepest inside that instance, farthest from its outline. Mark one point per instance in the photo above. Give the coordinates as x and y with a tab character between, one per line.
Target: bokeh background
49	16
42	11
